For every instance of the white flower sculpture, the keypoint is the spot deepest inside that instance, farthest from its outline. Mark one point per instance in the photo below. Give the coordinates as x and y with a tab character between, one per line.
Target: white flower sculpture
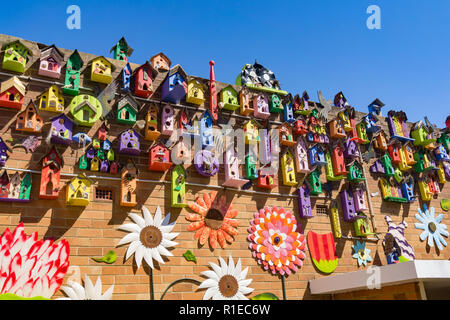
75	291
149	237
432	227
226	282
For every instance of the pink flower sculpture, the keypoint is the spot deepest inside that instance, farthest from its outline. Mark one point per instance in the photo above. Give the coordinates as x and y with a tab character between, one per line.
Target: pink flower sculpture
30	267
274	242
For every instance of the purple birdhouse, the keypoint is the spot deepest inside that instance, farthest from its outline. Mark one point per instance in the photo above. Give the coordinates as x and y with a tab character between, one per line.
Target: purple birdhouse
206	163
90	152
377	167
358	197
351	149
348	206
130	142
62	128
104	166
304	202
261	106
4	149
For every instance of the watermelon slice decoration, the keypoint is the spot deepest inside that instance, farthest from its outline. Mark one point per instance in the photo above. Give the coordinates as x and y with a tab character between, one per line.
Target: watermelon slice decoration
323	251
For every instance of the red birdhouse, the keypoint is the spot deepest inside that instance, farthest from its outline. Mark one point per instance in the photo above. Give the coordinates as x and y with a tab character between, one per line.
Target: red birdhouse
52	163
143	83
337	157
394	153
102	132
300	126
159	158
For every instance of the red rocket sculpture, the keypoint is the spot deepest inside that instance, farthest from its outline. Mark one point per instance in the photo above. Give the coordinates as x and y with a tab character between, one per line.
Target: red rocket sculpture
213	92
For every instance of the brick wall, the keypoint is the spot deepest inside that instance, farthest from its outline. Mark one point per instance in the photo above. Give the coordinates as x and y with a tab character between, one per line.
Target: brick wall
92	231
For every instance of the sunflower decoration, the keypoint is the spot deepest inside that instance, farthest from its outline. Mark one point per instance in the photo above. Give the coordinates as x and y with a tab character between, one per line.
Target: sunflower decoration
432	227
361	253
149	237
76	291
213	220
274	240
226	282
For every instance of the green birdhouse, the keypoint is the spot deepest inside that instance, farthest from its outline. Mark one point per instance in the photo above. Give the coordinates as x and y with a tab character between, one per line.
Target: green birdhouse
387	165
229	98
329	169
86	110
110	155
83	162
276	105
421	135
25	187
250	168
178	187
72	78
362	227
314	182
355	172
127	109
16	56
445	140
121	50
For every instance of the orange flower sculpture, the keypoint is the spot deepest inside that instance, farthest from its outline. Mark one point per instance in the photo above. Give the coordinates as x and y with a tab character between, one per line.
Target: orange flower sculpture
213	220
274	240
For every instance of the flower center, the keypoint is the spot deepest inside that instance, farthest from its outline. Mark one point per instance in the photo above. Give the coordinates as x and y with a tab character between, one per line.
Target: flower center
432	227
150	236
228	286
214	219
362	254
277	240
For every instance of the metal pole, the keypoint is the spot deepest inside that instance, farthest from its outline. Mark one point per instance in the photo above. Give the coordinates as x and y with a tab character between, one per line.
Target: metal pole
283	287
178	281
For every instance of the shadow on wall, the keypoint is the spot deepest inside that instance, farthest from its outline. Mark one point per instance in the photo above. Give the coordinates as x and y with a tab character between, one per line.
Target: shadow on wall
58	227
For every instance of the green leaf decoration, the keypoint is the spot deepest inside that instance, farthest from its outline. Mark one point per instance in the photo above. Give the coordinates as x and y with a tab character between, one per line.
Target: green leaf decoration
12	296
445	204
109	258
402	259
265	296
189	256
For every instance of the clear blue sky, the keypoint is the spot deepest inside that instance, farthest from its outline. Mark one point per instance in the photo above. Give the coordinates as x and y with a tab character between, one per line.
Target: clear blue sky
309	45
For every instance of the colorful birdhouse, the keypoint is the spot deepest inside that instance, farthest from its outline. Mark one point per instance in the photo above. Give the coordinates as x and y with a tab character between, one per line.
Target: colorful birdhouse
351	150
422	162
355	172
231	163
29	120
206	163
445	140
403	165
380	142
286	136
302	105
391	192
340	101
174	87
73	71
397	125
14	186
4	149
441	153
362	227
78	191
377	167
121	50
82	139
52	164
127	110
229	98
251	132
370	121
304	202
151	123
251	173
348	206
101	70
50	62
178	190
337	231
266	180
12	92
261	106
301	156
95	164
167	120
288	110
4	185
375	107
128	185
52	100
96	144
25	188
90	152
394	153
425	192
346	115
195	92
316	156
314	182
300	127
159	158
143	80
265	151
86	110
358	198
113	168
337	129
130	142
338	160
408	188
206	130
288	168
16	56
104	165
62	128
245	102
83	162
161	62
181	153
276	105
409	155
102	132
329	169
126	78
189	126
362	133
421	135
441	173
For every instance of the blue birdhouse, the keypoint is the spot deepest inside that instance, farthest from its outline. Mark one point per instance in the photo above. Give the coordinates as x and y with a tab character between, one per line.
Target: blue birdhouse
126	77
408	189
174	87
317	156
288	111
370	121
206	130
375	107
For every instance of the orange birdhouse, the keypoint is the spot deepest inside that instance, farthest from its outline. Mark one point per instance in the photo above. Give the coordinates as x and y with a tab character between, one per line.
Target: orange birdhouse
337	129
52	163
128	185
29	120
380	142
159	158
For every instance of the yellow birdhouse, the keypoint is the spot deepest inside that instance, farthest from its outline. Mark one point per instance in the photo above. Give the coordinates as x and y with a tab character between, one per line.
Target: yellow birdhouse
52	100
195	92
251	132
101	70
288	168
78	191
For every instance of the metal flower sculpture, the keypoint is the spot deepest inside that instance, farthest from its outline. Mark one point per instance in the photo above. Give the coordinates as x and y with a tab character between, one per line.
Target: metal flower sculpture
274	240
75	291
361	253
149	237
432	227
213	220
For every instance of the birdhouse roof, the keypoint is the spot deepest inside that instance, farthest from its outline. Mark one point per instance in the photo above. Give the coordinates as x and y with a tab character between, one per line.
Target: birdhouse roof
33	106
84	103
123	41
287	150
338	96
52	51
76	55
13	82
62	115
80	176
256	123
130	161
305	95
135	132
197	80
159	143
162	55
153	70
16	41
178	69
4	143
377	102
229	87
128	99
111	65
51	161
